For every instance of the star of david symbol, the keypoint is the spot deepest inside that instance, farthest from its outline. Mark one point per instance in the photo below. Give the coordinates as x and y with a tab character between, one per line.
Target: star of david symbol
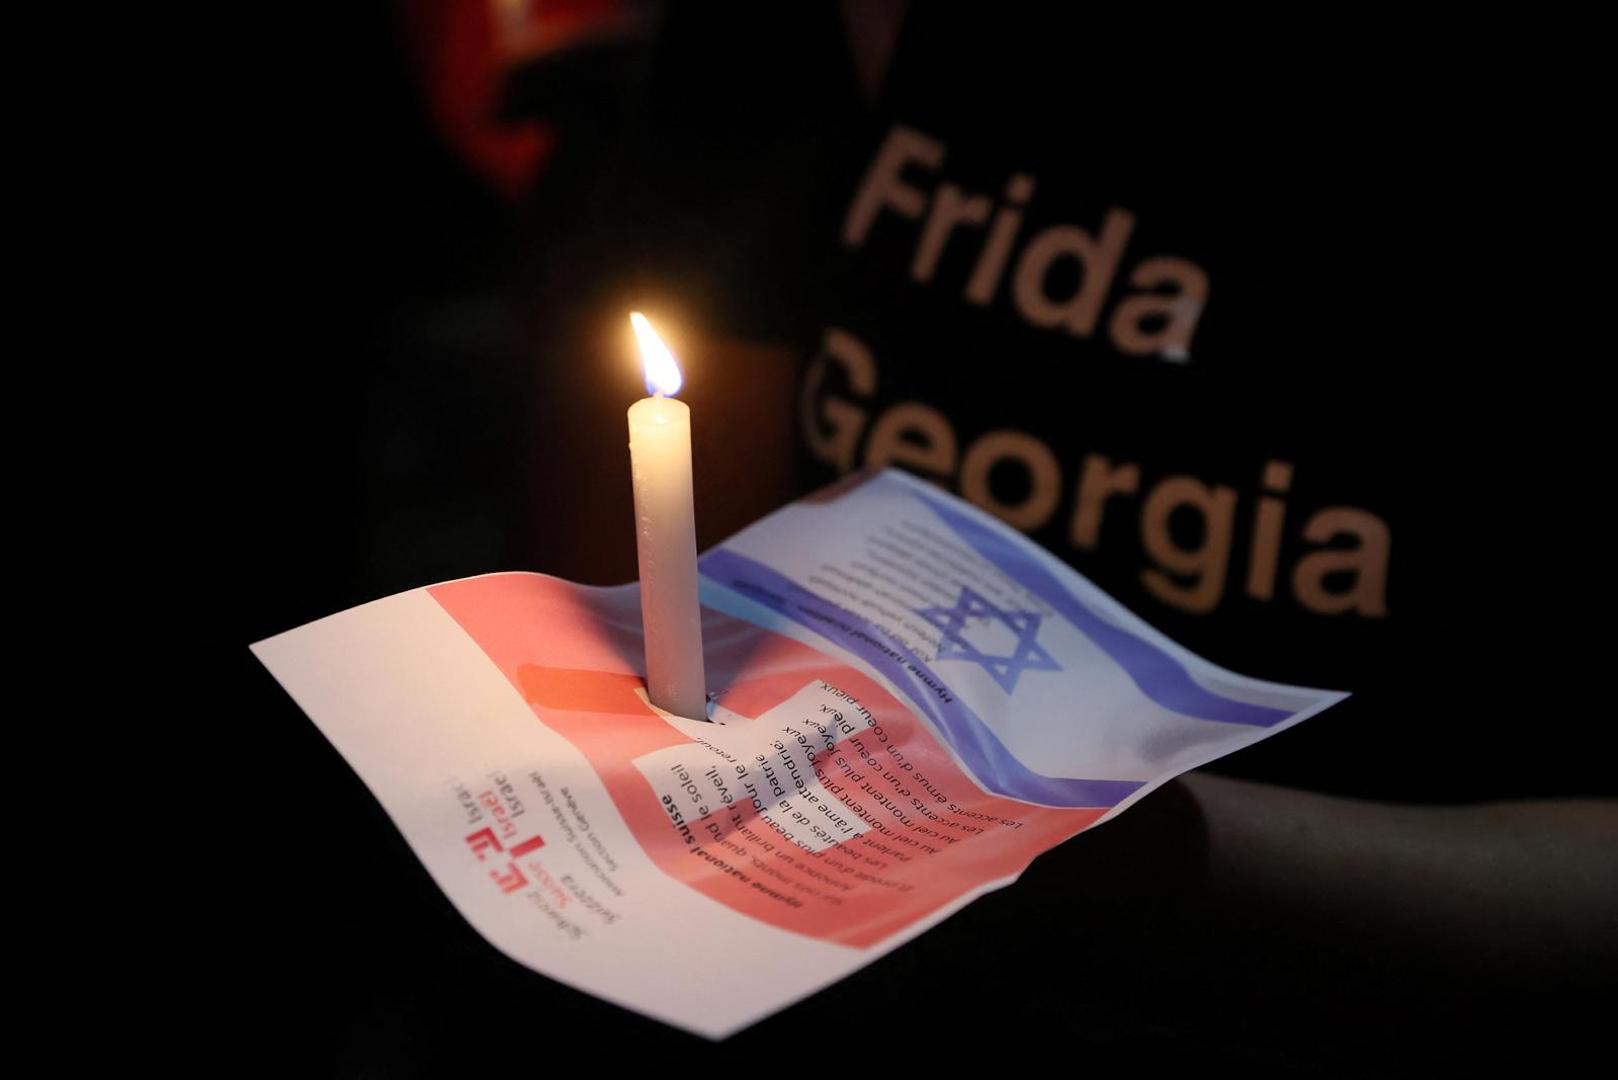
972	613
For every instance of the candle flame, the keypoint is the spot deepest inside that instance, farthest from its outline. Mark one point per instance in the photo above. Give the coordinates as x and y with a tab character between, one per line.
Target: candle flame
662	371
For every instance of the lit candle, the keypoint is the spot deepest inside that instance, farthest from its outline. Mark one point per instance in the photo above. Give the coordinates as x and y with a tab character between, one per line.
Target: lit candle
666	533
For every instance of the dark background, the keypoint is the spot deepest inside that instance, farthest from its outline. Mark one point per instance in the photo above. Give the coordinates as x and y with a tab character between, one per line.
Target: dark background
360	400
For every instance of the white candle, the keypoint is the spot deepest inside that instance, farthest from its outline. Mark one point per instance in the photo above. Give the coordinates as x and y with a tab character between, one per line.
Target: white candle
666	534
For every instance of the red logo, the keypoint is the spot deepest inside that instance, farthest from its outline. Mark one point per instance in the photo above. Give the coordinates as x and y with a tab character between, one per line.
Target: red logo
482	841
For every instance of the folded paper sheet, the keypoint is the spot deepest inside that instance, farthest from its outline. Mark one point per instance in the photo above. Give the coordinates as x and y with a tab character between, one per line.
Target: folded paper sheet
910	701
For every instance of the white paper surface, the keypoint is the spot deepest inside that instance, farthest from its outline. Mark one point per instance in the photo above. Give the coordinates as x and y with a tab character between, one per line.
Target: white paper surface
910	702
